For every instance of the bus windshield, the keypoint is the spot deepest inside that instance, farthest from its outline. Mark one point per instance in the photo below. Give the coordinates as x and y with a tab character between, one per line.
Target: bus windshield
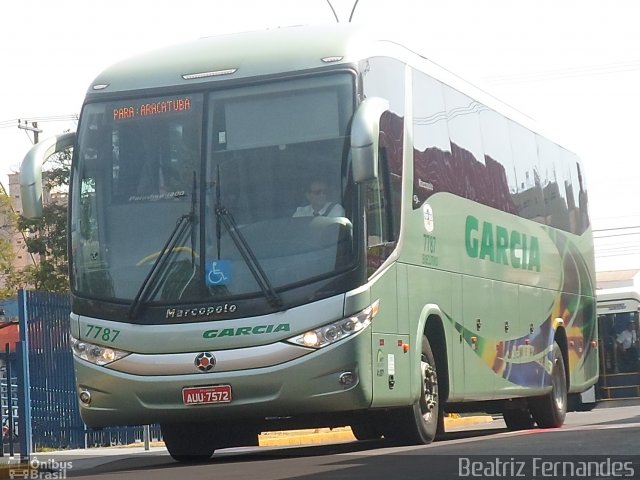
220	194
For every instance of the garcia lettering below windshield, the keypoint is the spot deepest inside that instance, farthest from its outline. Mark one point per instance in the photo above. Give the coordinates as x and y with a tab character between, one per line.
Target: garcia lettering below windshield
200	197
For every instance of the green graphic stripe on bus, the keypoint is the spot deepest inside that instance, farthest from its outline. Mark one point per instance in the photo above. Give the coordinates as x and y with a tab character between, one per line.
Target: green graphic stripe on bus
526	360
522	361
577	280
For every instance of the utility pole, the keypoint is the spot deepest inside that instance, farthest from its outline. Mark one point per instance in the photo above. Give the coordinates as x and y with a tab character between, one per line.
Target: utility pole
32	127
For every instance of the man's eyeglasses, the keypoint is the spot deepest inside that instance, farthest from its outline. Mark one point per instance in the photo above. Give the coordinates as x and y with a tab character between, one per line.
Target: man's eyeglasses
318	192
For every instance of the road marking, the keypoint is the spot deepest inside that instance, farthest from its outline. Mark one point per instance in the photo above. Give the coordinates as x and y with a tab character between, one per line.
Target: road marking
565	428
596	426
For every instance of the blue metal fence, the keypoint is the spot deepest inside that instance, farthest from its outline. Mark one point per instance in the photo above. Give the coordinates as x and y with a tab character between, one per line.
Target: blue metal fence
48	391
55	418
9	411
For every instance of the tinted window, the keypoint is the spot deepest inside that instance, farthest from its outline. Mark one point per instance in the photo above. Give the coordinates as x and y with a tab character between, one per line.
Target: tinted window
528	197
500	174
576	192
431	147
464	148
464	128
552	179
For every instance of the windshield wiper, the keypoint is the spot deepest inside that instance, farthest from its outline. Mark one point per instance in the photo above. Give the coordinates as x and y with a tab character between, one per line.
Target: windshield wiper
224	216
176	238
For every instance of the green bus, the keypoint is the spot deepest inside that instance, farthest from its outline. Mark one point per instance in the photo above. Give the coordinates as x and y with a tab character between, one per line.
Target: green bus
449	266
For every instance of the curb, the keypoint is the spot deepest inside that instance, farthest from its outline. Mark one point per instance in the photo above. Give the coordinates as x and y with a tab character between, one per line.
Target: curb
344	434
453	422
305	437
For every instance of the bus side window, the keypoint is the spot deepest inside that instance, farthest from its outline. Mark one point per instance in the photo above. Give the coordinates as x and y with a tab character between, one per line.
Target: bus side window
380	231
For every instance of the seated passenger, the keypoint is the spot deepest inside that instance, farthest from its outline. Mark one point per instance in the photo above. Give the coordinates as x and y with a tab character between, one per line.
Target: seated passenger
318	204
627	340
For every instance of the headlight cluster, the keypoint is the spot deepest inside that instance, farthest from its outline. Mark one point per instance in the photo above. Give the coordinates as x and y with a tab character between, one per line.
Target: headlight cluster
328	334
96	354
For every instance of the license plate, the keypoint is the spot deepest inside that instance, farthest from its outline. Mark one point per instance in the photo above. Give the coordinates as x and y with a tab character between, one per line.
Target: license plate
205	395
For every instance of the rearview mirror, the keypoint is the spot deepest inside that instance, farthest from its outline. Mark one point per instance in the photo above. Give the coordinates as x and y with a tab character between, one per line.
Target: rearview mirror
31	171
365	132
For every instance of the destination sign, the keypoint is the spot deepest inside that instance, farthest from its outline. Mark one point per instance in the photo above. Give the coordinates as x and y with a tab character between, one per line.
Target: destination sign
150	109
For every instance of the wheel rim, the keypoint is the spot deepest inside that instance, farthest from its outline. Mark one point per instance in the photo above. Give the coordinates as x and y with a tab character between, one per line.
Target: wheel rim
429	401
559	386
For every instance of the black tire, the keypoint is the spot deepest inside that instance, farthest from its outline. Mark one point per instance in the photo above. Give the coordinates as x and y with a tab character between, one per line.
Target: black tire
419	424
369	430
188	442
518	419
549	411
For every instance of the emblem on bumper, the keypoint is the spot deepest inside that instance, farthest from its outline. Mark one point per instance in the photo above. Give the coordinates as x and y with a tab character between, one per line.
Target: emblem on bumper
205	362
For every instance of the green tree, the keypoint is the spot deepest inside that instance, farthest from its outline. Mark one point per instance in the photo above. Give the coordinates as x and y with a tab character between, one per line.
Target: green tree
11	278
47	236
8	272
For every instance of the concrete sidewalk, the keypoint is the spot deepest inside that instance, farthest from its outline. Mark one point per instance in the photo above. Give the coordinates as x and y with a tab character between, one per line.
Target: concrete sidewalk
62	463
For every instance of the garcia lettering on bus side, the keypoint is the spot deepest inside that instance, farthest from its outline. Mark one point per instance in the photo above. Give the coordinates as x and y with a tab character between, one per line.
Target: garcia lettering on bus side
498	244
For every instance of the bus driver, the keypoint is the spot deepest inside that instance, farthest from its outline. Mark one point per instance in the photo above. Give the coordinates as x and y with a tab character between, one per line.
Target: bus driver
318	205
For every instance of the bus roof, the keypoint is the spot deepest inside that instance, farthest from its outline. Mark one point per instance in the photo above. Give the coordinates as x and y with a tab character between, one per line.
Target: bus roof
618	300
271	52
617	293
233	56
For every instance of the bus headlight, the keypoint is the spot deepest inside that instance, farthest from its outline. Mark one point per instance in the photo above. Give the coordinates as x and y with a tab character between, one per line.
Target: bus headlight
328	334
96	354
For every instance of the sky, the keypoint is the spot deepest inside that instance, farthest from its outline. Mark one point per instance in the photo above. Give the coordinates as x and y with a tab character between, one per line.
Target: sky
573	66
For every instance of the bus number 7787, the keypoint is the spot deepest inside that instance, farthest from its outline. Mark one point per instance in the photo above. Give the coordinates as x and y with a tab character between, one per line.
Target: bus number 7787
102	333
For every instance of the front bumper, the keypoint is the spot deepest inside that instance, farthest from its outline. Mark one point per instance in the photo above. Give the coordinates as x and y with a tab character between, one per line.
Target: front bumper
308	384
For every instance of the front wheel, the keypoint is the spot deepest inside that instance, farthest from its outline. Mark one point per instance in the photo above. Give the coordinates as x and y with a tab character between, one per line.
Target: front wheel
188	442
369	430
550	410
420	423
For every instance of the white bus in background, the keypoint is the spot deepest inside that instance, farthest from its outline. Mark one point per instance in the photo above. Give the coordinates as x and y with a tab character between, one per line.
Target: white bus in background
617	310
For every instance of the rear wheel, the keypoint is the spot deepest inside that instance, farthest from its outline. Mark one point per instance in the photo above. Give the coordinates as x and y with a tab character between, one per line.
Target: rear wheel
419	423
518	418
550	410
188	442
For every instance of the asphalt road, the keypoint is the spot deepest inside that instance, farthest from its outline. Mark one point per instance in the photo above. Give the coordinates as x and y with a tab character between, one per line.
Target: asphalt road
589	445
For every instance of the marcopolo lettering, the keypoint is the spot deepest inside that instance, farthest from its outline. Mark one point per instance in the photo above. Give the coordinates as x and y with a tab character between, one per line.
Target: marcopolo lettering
257	330
500	245
200	311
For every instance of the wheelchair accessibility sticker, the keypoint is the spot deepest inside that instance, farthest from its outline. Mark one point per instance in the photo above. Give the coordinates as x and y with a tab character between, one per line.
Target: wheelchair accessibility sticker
218	272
